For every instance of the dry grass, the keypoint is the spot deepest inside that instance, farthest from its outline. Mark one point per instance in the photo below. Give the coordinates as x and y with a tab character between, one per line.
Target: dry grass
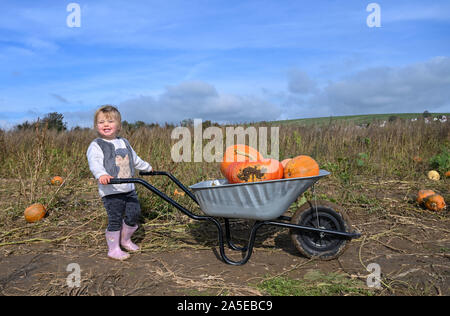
31	157
371	186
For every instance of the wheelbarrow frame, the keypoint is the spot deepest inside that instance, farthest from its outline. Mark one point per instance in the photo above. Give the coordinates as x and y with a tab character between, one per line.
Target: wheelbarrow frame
282	221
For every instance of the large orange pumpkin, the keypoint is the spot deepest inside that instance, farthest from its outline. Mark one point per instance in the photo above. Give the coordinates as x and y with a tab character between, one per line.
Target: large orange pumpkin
285	161
435	202
254	171
35	212
423	194
57	180
238	153
301	166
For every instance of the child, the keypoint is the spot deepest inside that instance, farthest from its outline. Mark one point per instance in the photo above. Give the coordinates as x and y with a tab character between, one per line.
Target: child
110	156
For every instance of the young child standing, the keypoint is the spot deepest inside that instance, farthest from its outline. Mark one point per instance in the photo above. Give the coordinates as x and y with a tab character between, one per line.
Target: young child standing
111	156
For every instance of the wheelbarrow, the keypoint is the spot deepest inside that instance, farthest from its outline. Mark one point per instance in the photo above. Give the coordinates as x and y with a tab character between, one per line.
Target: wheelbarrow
318	229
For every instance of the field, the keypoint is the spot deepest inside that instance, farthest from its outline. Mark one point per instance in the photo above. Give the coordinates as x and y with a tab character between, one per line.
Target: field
375	175
377	119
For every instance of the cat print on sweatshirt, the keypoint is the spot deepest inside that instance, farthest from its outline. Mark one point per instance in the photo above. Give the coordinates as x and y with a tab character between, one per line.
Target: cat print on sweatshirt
123	163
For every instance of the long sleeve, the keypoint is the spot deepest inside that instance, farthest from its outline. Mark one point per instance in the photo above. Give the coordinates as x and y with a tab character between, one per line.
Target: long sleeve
95	160
140	164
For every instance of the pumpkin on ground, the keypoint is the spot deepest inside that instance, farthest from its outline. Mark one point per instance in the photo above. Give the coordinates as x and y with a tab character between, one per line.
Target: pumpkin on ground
423	194
35	212
447	174
433	175
254	171
238	153
57	180
301	166
435	202
176	192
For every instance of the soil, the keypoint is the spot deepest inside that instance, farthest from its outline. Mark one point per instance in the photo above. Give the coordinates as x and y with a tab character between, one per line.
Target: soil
410	245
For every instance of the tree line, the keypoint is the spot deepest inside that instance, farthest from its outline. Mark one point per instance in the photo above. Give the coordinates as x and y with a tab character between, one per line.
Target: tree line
55	121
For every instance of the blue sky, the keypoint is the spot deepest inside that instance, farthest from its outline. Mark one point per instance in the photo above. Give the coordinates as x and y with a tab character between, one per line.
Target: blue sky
226	61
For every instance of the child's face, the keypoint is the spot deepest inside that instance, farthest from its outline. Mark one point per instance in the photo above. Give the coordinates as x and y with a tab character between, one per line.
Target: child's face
107	126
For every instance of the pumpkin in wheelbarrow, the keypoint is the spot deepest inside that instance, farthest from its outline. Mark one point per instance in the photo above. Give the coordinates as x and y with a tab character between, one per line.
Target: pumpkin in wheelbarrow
238	153
284	162
254	171
301	166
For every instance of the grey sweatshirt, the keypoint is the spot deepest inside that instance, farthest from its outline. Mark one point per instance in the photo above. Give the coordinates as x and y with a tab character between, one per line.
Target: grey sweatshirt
112	157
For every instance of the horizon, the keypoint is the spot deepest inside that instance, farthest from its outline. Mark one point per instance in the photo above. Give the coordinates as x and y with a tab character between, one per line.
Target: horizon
213	123
223	61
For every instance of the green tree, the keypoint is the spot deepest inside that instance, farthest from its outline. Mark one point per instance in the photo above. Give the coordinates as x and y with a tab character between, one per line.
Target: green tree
54	120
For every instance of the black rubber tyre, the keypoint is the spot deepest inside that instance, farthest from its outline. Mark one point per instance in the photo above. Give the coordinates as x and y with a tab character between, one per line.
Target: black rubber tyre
320	245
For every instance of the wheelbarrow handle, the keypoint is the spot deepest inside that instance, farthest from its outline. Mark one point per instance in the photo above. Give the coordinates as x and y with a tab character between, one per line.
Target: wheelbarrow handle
152	173
171	177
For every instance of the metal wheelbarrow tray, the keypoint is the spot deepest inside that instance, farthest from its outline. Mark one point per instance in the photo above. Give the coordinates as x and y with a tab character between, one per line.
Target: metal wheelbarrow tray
256	200
318	228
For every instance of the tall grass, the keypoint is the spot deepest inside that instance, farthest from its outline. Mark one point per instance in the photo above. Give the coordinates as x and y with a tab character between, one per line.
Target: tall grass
35	155
373	151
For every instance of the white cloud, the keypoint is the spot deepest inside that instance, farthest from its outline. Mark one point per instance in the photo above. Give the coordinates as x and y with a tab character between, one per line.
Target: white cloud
300	82
413	88
197	99
5	125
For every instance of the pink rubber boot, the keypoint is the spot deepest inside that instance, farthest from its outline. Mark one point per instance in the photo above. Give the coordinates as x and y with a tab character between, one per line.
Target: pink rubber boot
125	239
114	251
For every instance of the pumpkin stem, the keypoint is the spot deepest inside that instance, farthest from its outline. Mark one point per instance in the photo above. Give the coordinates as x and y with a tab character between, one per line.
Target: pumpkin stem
252	158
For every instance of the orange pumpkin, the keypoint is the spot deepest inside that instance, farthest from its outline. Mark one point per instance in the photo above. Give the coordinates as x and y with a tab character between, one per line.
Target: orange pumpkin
238	153
301	166
285	161
176	192
254	171
423	194
35	212
435	202
57	180
447	174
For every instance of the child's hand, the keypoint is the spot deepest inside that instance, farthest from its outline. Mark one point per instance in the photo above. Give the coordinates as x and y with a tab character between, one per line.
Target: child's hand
105	179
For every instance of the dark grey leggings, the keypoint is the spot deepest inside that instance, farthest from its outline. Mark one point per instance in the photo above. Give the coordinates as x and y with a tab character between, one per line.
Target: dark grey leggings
122	207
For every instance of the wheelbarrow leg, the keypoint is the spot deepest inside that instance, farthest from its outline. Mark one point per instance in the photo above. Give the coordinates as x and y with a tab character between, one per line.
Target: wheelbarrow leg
228	237
248	248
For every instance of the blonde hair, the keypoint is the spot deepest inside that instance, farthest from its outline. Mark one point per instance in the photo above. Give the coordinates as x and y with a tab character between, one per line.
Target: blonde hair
109	111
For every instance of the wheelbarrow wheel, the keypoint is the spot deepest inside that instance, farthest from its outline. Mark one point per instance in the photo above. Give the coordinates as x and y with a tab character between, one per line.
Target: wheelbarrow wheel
324	215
